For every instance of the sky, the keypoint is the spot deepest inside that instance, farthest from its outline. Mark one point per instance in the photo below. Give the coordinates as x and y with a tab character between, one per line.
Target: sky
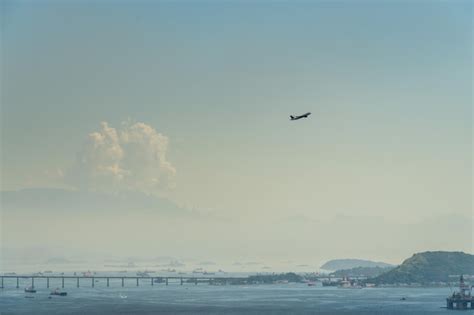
189	101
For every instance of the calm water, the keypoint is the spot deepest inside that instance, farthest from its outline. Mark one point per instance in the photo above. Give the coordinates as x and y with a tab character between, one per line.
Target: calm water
206	299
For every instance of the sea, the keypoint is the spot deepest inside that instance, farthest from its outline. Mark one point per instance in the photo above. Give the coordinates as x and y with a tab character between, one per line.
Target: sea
285	298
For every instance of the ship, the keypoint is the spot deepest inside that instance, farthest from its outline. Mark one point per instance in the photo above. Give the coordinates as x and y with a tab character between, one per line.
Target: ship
58	292
347	283
30	289
330	283
87	274
461	300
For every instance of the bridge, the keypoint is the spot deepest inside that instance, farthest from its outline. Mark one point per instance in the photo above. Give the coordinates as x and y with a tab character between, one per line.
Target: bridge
136	279
151	280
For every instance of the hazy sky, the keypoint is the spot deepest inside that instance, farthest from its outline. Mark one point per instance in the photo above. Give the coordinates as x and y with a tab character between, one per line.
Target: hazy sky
205	89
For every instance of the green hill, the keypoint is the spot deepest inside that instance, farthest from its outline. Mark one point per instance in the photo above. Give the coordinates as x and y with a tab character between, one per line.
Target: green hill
361	272
429	267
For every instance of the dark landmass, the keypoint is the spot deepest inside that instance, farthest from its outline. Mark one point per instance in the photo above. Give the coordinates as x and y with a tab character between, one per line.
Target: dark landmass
267	279
369	272
342	264
429	267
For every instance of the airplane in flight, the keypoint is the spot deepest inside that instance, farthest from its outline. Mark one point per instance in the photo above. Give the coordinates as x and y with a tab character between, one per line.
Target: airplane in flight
300	116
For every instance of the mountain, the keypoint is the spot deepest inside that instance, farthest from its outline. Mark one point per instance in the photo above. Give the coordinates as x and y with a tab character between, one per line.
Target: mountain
369	272
340	264
48	200
429	267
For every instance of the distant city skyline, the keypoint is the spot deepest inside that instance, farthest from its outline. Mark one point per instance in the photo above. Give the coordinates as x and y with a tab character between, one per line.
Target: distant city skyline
188	104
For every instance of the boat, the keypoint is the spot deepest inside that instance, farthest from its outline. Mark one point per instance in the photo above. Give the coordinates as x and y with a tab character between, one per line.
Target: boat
311	284
347	283
87	274
30	290
58	292
158	280
330	283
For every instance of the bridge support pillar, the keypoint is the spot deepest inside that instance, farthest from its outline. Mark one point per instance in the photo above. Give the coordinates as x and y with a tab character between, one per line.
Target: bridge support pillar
122	282
181	281
77	282
152	281
166	281
2	283
47	282
62	282
195	281
33	282
137	282
17	282
107	282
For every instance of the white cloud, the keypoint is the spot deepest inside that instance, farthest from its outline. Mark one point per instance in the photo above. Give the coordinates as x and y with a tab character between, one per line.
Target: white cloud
133	158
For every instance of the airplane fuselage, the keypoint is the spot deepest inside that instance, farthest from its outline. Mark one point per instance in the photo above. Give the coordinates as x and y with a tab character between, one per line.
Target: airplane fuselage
300	116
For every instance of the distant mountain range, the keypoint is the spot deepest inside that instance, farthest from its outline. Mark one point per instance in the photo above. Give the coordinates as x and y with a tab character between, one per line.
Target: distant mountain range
54	201
429	267
344	264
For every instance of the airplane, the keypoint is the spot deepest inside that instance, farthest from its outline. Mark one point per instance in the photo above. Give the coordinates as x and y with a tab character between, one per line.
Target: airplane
300	116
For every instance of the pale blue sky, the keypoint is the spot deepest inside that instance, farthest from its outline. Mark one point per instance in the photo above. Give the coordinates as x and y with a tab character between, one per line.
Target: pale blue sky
389	85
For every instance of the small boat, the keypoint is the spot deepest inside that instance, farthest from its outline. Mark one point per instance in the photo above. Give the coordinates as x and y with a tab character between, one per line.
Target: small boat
311	284
347	283
58	292
158	280
30	290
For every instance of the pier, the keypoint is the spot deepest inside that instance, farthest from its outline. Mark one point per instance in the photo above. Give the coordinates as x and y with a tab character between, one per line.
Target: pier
79	281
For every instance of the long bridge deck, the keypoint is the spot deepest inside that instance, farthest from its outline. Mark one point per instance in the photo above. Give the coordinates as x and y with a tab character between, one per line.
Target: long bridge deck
151	279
